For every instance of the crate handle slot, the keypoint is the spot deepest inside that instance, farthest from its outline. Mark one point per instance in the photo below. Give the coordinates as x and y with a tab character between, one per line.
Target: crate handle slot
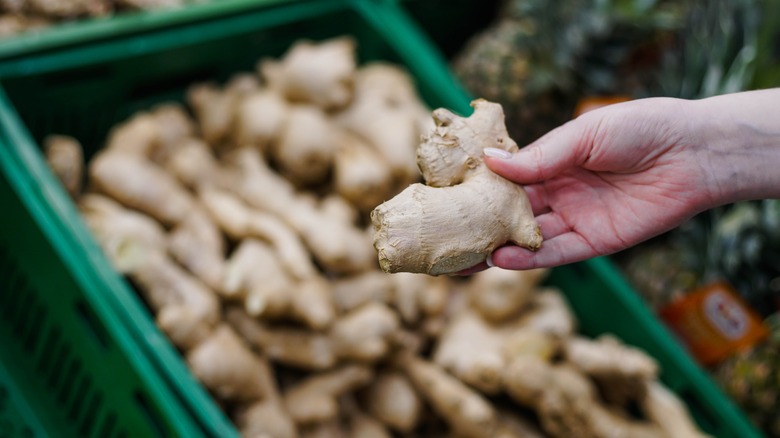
93	325
154	416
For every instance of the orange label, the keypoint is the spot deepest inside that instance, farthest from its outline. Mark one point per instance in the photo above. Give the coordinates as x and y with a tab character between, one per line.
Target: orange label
714	322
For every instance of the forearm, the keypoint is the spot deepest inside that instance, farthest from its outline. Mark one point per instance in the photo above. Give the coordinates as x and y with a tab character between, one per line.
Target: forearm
739	150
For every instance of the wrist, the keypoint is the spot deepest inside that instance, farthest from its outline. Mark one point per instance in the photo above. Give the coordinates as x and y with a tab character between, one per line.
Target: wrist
738	139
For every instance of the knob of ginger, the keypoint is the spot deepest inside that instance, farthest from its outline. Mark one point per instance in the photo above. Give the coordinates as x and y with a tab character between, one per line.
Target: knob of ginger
463	211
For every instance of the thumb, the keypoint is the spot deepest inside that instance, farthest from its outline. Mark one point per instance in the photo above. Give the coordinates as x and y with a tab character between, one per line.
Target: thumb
556	151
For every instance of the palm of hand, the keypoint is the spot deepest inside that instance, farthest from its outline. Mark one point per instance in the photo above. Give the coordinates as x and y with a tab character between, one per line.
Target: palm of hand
628	178
584	213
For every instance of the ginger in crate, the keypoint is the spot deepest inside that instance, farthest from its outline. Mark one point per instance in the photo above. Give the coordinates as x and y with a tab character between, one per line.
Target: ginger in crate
315	399
306	146
254	274
468	412
338	245
65	156
392	399
198	244
318	73
292	346
264	277
386	117
140	184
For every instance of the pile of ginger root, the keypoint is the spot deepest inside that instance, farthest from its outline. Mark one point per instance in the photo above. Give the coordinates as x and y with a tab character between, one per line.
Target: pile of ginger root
242	219
18	16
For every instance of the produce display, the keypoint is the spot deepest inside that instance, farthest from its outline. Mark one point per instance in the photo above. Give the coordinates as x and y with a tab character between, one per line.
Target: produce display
18	16
242	219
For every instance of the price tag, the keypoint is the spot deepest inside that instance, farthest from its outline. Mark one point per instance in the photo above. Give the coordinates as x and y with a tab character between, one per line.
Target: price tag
714	322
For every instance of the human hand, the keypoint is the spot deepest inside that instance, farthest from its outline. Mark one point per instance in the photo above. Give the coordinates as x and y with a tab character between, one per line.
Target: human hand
622	174
608	180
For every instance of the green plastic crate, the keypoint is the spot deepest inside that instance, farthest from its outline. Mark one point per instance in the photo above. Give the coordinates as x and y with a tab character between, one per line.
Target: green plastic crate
89	29
69	366
83	90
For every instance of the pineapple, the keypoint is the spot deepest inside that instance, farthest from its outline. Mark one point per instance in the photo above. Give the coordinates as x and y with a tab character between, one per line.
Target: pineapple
540	57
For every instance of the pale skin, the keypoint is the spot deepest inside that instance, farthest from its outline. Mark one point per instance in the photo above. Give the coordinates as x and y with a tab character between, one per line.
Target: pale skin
622	174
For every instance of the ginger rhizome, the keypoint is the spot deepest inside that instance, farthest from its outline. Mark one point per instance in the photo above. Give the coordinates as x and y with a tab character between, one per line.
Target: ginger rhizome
242	220
66	158
463	211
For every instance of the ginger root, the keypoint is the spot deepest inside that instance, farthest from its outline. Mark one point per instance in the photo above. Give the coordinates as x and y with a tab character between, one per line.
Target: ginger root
468	413
471	350
665	409
315	399
65	156
259	119
392	399
499	294
266	418
118	229
363	426
391	130
240	222
299	348
215	109
567	402
254	274
620	371
154	134
319	73
550	313
228	368
339	246
141	184
353	291
364	333
360	173
464	211
306	146
187	309
198	245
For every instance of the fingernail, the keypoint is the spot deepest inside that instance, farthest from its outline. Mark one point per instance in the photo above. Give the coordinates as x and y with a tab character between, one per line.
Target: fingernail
496	153
489	260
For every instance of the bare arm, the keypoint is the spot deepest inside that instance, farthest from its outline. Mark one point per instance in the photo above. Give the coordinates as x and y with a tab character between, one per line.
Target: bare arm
617	176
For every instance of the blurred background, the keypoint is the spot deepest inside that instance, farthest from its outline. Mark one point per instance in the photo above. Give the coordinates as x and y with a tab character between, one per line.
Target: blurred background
545	62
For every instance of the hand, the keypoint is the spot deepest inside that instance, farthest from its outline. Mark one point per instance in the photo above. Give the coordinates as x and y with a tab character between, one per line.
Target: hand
617	176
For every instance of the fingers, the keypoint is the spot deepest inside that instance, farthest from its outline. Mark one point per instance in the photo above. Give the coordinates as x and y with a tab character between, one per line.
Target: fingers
552	225
558	150
560	250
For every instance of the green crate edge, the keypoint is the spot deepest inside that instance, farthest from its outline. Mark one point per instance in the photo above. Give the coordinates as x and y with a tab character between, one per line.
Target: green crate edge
29	188
388	20
86	30
54	200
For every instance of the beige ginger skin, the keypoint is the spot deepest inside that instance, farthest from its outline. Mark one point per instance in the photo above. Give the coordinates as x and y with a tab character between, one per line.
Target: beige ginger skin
463	211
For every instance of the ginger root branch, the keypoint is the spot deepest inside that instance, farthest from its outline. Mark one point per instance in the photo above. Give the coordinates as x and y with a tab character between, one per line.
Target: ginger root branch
464	211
